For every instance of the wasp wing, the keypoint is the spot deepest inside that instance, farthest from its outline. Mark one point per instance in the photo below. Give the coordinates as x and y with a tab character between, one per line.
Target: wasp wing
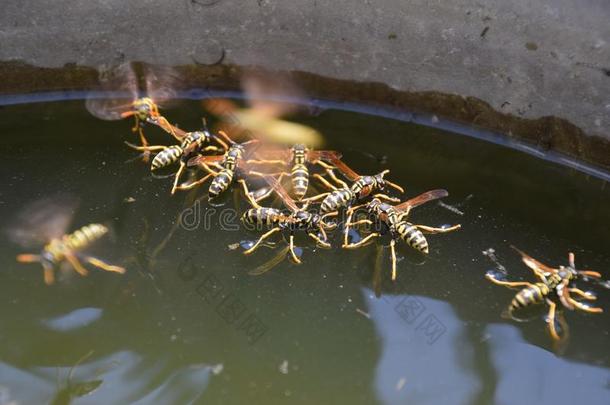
533	263
422	199
119	87
42	220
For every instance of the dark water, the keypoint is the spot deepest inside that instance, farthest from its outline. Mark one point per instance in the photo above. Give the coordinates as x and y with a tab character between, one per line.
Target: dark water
191	325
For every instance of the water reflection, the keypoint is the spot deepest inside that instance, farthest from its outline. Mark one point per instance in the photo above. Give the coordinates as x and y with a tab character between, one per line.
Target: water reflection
530	374
120	378
425	358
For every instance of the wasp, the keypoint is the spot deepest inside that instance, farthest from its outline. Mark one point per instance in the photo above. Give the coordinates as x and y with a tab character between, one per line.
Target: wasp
552	284
191	145
299	219
297	158
45	222
159	83
394	217
346	196
227	165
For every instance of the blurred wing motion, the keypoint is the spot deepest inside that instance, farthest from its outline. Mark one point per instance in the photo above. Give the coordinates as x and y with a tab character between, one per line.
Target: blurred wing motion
43	220
270	97
123	85
422	199
121	80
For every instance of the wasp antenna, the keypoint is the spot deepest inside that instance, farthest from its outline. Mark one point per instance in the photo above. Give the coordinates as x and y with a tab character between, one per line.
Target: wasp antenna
395	186
571	260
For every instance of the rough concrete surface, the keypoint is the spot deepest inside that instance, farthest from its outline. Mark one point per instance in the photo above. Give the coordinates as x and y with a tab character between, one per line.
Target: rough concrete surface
530	59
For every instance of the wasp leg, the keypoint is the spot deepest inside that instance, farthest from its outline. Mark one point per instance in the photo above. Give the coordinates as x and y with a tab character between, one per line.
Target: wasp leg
393	251
325	182
177	177
226	138
251	200
429	229
211	148
28	258
260	240
551	320
315	197
324	165
590	273
346	228
76	264
266	162
292	252
585	308
564	294
104	266
582	294
260	174
362	221
362	242
328	226
387	198
194	183
509	284
319	241
332	175
48	273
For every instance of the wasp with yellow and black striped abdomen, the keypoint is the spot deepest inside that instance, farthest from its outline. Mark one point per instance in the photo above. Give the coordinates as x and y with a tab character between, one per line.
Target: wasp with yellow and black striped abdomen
192	144
296	159
299	219
553	284
228	166
344	196
44	223
394	218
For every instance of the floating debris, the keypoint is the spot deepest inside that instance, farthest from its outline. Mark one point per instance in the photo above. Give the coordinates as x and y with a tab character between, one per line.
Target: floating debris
283	367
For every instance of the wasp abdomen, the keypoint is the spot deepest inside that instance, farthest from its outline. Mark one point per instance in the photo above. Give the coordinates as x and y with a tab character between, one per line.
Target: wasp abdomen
412	236
261	216
533	294
167	157
300	180
335	200
84	236
221	182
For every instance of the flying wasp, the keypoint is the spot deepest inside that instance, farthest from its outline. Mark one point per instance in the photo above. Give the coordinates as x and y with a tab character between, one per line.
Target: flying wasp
297	158
394	217
192	145
159	83
45	222
346	196
298	220
552	284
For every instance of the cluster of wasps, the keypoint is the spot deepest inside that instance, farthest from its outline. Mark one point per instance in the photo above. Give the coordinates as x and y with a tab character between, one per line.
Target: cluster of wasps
224	162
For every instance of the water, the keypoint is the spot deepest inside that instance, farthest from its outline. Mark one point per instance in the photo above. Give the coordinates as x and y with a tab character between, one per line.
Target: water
191	324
